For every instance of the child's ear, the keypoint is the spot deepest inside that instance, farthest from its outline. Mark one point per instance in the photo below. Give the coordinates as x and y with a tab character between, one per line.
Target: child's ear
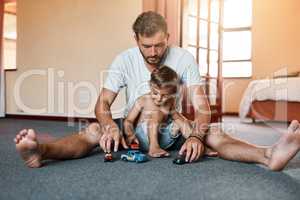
151	84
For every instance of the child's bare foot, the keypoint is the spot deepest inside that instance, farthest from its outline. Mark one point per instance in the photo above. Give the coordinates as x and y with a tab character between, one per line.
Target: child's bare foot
210	152
158	152
27	146
286	148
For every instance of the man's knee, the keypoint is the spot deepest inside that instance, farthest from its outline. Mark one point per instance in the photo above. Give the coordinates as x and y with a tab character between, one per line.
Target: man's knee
93	132
216	138
94	127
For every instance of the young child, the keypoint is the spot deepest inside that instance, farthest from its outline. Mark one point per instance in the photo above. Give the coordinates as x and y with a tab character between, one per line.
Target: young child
158	123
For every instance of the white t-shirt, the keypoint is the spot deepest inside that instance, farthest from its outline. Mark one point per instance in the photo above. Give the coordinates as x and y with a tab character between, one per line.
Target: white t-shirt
129	70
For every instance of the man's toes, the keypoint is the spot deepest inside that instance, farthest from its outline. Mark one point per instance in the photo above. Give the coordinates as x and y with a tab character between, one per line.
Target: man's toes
294	125
19	137
31	134
23	132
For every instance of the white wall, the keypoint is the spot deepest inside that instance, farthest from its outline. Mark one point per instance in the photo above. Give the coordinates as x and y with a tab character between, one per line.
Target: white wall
73	40
275	42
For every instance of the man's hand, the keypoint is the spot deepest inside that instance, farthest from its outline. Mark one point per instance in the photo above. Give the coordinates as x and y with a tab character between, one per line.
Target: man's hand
131	139
193	149
112	136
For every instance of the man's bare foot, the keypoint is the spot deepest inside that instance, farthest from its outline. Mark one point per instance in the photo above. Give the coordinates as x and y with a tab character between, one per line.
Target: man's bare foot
285	149
27	146
158	152
294	125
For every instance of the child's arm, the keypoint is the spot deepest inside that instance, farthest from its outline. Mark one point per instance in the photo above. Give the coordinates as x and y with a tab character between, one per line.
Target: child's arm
130	119
183	123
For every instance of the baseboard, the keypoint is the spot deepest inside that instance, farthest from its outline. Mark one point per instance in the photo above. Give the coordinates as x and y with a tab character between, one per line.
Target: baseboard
74	119
230	114
51	118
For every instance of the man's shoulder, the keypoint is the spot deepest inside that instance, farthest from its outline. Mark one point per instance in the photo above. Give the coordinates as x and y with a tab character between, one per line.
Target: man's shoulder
179	59
180	55
127	59
134	51
178	51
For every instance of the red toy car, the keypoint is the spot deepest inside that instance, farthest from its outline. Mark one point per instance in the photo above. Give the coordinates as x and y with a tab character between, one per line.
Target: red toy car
108	157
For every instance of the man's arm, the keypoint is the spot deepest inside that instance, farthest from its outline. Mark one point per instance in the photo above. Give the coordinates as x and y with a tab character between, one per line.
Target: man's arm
202	110
110	130
194	147
130	119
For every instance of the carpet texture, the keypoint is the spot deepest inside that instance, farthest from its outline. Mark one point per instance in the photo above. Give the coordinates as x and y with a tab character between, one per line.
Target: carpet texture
91	178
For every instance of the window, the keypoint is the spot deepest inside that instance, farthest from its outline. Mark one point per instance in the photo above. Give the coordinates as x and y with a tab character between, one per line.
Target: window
237	38
202	20
9	42
201	37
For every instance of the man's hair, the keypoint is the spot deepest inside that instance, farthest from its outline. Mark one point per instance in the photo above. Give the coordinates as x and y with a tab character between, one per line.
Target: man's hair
165	77
149	23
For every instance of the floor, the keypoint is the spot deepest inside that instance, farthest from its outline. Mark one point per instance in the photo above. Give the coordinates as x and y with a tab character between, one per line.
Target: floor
91	178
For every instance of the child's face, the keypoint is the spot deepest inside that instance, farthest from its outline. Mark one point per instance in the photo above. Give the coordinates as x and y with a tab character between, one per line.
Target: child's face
161	95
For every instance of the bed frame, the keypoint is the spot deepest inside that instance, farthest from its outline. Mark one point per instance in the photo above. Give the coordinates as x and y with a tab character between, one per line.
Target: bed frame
270	110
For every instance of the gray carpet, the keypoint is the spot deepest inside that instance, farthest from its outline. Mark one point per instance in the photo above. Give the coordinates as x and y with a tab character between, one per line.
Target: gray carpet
91	178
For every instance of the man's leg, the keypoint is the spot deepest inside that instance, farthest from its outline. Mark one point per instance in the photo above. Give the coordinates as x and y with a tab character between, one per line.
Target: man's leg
69	147
275	157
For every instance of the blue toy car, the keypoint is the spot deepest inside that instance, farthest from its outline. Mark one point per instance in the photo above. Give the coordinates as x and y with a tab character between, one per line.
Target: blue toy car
134	156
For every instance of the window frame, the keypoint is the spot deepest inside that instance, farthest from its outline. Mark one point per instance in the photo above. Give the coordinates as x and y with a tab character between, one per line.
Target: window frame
185	44
221	30
9	40
239	29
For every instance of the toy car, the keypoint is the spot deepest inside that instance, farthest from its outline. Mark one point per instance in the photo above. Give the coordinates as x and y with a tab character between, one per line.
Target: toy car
180	160
108	157
134	156
134	146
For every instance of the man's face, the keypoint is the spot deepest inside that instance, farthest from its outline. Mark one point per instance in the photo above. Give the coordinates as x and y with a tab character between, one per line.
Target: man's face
160	96
153	48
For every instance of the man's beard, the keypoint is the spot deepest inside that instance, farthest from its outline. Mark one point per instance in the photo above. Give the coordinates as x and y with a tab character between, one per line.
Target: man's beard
155	60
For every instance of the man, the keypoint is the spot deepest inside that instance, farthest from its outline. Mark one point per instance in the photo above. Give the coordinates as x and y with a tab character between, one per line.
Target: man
131	69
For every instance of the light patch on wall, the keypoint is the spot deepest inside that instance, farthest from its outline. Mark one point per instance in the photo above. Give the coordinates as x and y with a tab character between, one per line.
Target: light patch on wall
9	43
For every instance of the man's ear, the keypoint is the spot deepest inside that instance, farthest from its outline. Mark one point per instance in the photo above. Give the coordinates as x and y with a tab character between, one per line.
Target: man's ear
168	36
136	37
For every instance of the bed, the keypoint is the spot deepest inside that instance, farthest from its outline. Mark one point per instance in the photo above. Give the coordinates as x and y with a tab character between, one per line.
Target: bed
271	99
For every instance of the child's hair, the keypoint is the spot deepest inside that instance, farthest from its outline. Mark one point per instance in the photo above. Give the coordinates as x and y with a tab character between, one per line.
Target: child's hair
164	77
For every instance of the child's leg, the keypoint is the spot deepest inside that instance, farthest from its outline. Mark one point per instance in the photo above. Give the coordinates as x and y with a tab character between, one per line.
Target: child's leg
185	127
154	149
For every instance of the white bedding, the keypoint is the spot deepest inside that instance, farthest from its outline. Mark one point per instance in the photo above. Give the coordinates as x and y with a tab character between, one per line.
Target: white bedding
287	89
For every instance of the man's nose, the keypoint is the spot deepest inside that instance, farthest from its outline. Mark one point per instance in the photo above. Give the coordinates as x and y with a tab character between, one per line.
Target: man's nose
159	97
153	51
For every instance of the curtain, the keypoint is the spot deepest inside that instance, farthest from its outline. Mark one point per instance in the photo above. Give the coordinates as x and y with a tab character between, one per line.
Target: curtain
171	10
2	79
2	93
